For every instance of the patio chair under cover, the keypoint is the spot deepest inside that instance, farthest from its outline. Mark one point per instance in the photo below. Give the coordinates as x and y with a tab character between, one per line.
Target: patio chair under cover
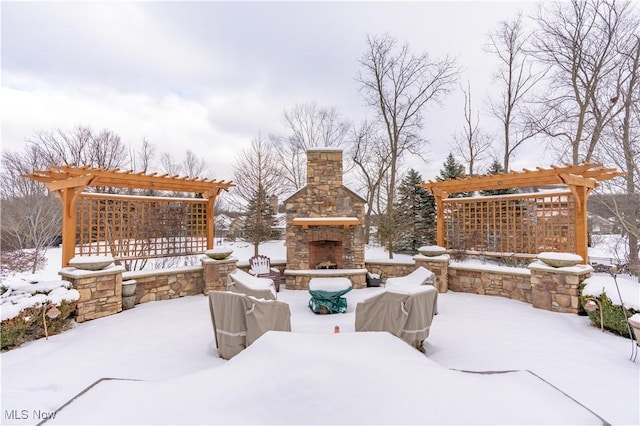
326	295
261	288
405	313
239	320
419	276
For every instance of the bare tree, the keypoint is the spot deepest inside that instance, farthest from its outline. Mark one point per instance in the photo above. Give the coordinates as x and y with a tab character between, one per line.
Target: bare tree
31	219
310	126
142	160
371	158
258	178
515	78
472	143
622	149
193	165
399	85
577	40
169	165
81	146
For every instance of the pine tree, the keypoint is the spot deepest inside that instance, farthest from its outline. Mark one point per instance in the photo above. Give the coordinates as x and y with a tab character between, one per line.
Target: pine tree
453	169
260	222
414	215
495	169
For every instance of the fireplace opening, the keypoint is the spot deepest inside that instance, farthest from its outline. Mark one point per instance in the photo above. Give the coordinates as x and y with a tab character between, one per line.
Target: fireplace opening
325	254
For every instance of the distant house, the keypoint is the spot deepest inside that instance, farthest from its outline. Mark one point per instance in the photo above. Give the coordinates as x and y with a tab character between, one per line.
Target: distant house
600	225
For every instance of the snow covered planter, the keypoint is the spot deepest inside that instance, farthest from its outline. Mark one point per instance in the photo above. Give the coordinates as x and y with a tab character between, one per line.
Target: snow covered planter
604	290
23	301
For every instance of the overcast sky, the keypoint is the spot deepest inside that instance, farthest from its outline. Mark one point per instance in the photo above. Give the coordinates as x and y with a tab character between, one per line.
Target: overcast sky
211	76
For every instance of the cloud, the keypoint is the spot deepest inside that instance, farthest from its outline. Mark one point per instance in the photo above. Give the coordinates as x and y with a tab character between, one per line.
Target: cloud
211	76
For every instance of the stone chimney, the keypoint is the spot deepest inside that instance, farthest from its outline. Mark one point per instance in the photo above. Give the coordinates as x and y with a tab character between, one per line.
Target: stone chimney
324	167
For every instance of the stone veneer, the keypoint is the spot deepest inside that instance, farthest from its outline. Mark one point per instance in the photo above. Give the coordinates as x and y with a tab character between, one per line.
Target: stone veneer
512	283
324	196
216	273
557	289
166	284
100	291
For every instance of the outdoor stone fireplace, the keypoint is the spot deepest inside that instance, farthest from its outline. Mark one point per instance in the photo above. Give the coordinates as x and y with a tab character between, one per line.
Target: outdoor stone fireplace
325	225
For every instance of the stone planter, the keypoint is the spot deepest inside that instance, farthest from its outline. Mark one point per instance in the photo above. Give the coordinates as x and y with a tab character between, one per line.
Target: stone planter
128	294
560	260
432	251
91	263
219	253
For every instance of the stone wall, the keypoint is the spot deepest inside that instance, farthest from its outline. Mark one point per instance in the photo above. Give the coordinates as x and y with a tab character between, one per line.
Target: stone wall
166	284
388	269
512	283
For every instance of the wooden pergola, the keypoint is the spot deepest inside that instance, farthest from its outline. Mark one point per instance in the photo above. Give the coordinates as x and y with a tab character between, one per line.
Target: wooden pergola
69	182
479	216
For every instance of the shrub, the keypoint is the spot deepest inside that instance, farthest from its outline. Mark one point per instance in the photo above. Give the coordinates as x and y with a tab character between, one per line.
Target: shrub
613	318
28	324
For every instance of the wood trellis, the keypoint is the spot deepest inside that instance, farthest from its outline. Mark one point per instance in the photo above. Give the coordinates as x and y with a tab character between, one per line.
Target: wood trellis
520	225
123	225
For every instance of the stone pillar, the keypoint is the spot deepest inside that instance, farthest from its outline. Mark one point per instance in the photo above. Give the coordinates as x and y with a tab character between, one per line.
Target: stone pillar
215	275
557	289
100	291
439	265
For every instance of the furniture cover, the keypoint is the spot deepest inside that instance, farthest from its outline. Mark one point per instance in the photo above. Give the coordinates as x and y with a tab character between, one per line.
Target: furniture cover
239	320
420	276
326	294
260	266
242	282
405	313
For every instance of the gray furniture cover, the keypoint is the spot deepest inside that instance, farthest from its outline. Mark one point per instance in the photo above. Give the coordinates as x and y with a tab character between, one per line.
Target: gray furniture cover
258	287
239	320
405	313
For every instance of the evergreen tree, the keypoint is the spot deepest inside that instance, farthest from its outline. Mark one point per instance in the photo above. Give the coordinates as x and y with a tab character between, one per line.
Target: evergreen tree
414	215
260	222
495	169
453	169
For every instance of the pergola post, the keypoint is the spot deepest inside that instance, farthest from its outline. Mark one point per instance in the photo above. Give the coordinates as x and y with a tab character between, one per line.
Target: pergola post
439	195
211	223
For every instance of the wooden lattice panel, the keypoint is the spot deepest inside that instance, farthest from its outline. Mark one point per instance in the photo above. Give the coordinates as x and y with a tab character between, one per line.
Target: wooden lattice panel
521	225
130	228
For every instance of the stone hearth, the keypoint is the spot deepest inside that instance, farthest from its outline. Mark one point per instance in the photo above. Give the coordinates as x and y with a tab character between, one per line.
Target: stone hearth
325	225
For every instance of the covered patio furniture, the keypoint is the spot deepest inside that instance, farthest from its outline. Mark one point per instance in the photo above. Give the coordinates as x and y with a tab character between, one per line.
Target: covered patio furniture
260	266
239	320
242	282
326	294
405	313
420	276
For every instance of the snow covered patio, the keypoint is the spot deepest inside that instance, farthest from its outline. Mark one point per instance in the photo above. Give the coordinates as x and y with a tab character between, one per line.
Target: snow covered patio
312	376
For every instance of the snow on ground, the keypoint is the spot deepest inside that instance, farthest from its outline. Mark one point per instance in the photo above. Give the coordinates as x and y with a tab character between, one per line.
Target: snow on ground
312	376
